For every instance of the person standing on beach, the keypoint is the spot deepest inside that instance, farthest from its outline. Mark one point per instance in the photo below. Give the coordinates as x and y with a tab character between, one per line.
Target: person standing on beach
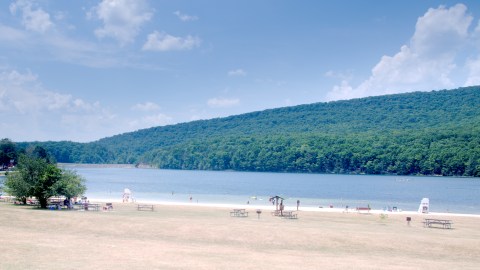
298	204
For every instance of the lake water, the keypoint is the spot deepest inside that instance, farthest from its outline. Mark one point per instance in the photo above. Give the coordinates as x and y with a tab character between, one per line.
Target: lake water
446	194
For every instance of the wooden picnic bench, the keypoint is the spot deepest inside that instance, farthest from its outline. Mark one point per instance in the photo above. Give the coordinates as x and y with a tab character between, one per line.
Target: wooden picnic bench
239	213
86	206
91	206
7	199
141	207
363	209
444	223
285	214
78	206
289	215
276	213
33	202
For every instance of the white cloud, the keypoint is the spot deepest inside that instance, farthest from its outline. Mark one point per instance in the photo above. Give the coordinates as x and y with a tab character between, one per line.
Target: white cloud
9	34
425	64
473	63
146	107
222	102
237	72
185	17
53	43
338	75
23	93
13	96
35	113
474	72
34	19
80	52
122	19
164	42
441	31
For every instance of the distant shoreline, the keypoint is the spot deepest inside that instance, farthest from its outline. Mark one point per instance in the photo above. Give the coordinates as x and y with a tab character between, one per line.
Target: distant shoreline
147	166
94	165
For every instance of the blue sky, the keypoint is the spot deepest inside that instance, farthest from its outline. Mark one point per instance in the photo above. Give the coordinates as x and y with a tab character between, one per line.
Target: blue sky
84	70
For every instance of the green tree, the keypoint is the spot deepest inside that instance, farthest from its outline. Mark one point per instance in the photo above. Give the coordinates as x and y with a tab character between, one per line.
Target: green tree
16	186
70	184
21	182
37	177
8	152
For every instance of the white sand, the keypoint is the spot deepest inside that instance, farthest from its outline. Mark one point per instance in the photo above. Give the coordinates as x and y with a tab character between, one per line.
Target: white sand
188	237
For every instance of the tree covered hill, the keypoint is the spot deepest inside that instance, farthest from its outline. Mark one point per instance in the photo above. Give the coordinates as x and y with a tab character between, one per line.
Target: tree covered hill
415	133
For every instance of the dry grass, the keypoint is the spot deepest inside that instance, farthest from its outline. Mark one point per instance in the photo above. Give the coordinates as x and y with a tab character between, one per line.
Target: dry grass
180	237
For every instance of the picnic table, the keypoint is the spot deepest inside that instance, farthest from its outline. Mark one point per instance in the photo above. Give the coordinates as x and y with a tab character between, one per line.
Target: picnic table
285	214
87	206
93	206
145	207
363	209
276	213
289	214
78	206
445	223
33	202
239	213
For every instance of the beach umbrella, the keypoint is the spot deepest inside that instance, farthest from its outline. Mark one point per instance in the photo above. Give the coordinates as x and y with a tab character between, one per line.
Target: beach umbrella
127	191
275	199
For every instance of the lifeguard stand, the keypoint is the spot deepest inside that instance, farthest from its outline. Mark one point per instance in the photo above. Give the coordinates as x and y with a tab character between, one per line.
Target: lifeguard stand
424	206
126	194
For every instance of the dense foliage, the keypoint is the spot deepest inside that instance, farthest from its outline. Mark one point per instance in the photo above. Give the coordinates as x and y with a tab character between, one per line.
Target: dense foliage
400	153
36	176
8	153
430	133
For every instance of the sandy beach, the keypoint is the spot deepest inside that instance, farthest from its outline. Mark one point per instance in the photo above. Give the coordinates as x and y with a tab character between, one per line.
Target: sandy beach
205	237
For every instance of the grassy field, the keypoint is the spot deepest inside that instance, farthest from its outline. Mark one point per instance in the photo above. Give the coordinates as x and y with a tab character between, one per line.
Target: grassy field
189	237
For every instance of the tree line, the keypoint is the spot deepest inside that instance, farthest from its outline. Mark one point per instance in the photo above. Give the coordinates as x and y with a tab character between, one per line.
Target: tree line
427	133
444	153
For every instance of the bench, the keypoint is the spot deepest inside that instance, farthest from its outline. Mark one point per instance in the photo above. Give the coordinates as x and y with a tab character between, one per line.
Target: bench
444	223
363	209
239	213
6	199
33	202
86	206
91	206
78	207
289	215
276	213
141	207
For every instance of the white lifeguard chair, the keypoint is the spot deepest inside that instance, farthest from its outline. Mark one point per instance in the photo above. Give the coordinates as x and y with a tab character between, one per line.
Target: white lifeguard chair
126	194
424	207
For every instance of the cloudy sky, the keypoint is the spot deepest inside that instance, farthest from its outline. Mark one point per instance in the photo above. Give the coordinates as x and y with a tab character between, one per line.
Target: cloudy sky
84	70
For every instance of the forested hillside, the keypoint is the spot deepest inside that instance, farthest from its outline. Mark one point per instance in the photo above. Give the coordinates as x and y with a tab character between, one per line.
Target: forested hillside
430	133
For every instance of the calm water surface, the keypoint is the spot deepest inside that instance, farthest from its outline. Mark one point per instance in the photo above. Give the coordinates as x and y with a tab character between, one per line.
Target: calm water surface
446	194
